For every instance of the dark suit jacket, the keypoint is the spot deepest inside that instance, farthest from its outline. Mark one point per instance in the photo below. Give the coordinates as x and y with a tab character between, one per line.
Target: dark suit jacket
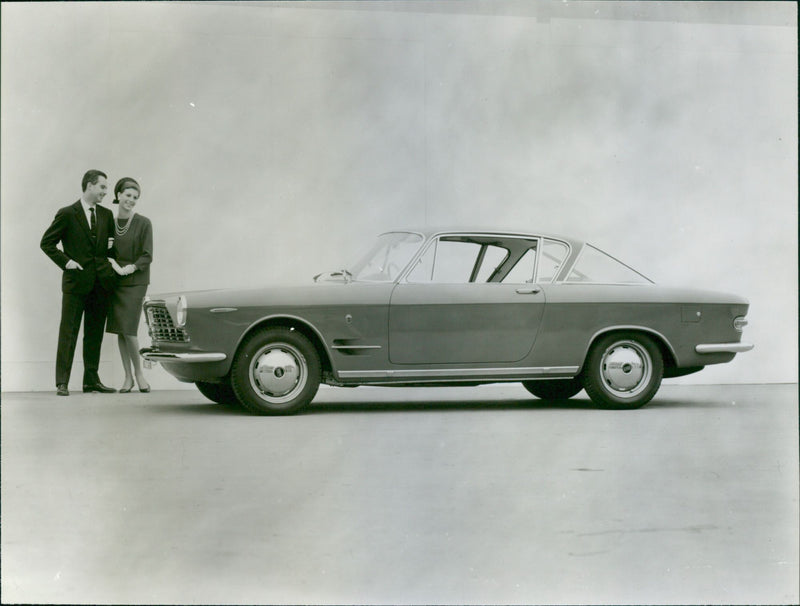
71	228
135	247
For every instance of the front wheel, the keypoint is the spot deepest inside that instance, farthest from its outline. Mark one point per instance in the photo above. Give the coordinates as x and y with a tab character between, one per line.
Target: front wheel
623	371
276	372
554	389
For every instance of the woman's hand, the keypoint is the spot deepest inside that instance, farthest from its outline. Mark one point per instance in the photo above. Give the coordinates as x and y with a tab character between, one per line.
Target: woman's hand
115	266
122	271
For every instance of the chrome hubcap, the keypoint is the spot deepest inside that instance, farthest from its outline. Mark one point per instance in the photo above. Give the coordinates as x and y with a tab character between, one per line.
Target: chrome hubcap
278	372
626	369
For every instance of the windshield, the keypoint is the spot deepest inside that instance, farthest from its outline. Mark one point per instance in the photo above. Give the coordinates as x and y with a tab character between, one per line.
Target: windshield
384	261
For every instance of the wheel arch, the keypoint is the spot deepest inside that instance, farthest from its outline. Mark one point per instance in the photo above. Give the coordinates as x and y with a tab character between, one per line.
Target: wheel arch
664	346
302	326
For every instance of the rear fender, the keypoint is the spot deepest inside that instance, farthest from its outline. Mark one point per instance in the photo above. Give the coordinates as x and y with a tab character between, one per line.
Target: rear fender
667	351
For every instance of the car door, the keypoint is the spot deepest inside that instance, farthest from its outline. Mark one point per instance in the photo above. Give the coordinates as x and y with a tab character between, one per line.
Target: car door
466	301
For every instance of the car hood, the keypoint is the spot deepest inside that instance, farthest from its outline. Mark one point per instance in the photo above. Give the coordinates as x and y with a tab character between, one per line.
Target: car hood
286	294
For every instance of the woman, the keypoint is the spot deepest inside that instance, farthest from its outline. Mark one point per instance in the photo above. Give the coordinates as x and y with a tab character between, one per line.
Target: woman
133	244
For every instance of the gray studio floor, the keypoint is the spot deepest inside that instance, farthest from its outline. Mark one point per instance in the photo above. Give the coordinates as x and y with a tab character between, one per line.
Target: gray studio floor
449	495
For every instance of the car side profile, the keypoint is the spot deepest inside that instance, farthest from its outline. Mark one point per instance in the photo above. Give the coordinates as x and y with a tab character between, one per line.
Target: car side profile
448	307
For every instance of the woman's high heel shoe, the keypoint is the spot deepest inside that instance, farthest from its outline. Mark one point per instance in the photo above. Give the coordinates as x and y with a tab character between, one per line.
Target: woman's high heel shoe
145	389
126	389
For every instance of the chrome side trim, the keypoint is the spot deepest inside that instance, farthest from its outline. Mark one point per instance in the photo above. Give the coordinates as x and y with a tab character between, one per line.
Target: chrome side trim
223	310
355	347
459	372
608	283
161	356
723	347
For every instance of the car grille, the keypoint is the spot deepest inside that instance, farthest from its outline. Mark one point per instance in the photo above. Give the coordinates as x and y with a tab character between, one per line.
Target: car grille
161	326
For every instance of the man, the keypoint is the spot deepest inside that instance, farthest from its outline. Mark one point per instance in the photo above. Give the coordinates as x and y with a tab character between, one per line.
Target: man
85	231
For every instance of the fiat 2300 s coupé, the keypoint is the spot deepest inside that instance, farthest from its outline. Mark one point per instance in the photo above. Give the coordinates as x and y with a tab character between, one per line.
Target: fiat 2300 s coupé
425	308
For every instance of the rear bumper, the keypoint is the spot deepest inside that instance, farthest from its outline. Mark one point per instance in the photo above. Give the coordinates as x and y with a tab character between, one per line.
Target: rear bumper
155	355
710	348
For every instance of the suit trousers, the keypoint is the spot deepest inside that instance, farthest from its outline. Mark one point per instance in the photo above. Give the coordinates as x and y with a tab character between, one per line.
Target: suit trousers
93	307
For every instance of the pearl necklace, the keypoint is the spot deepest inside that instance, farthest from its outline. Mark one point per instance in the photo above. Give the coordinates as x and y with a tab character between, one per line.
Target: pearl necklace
121	231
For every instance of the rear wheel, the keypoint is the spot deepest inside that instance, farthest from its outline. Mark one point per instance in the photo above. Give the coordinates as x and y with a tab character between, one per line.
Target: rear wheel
623	371
221	393
554	389
276	372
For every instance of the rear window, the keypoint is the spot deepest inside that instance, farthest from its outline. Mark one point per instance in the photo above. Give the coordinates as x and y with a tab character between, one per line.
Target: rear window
595	266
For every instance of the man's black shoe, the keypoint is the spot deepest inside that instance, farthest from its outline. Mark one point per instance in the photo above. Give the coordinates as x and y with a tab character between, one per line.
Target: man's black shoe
99	387
61	389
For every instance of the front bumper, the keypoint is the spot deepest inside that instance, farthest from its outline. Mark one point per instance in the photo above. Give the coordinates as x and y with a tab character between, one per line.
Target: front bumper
154	355
710	348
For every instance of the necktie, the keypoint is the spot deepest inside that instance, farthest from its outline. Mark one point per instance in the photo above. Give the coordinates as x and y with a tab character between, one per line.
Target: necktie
92	223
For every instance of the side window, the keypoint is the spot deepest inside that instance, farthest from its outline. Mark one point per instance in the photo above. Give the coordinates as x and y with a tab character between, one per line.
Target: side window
453	261
553	255
492	259
446	262
522	272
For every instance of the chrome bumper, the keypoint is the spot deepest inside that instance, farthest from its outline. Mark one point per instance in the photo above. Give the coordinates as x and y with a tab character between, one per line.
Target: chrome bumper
723	348
154	355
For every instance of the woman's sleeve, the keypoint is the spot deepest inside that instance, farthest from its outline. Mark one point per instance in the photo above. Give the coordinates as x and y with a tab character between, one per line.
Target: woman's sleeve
146	247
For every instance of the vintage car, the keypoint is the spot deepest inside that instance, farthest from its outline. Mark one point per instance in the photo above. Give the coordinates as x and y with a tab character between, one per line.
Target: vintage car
448	307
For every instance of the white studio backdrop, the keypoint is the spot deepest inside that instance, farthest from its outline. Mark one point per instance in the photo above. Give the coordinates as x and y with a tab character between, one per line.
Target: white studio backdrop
271	139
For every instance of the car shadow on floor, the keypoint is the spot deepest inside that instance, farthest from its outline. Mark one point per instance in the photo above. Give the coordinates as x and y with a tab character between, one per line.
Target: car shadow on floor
578	403
377	406
201	408
442	405
688	403
448	405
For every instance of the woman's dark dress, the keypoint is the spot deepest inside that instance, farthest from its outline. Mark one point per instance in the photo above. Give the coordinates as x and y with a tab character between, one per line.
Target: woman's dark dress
136	247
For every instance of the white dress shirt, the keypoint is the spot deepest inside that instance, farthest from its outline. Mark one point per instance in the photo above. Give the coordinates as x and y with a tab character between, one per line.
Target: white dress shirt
88	214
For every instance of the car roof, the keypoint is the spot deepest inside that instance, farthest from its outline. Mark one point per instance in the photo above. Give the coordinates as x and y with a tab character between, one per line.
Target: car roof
430	232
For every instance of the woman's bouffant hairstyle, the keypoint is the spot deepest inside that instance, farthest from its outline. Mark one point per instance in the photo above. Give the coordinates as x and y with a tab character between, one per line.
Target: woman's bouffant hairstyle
122	185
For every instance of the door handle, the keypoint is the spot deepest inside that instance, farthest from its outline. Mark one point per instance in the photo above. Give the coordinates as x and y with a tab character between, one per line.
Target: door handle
529	290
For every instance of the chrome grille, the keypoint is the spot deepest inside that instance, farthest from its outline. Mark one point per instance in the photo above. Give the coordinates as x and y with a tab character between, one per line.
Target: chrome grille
161	326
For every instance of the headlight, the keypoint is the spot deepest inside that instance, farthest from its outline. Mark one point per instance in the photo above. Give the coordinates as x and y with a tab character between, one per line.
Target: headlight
739	323
181	311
